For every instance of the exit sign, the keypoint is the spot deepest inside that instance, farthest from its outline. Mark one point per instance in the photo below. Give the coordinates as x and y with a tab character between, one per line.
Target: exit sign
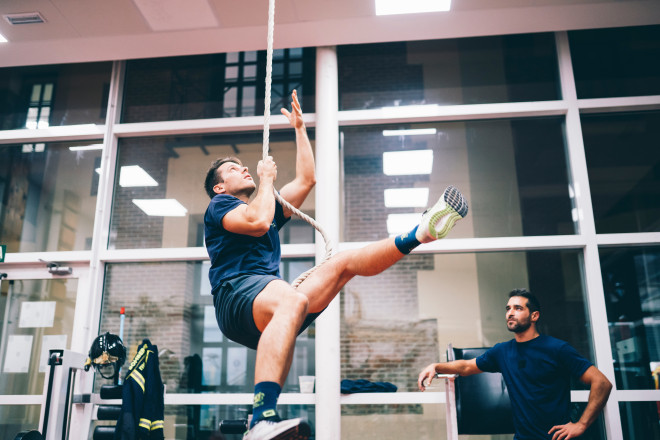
3	251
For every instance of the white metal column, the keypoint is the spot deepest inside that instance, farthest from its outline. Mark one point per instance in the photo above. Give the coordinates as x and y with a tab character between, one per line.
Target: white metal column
81	414
592	271
328	408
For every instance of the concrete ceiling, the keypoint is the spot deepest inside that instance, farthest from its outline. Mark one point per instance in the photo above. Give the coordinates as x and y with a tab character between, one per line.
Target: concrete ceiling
99	30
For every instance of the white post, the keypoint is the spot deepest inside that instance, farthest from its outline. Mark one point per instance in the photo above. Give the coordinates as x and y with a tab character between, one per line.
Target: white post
592	271
328	407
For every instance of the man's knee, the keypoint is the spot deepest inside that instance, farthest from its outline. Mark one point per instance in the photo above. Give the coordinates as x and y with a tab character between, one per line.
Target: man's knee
294	302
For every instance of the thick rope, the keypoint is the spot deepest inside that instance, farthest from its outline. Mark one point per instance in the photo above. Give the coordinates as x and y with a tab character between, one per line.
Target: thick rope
269	76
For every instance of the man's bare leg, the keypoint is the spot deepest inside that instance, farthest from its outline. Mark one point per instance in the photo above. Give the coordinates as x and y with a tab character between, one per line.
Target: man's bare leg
327	280
278	311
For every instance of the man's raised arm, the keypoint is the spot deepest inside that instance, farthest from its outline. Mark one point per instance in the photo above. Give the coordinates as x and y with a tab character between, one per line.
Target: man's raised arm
254	219
299	188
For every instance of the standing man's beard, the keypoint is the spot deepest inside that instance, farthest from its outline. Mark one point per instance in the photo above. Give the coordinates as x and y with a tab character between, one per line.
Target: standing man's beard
519	326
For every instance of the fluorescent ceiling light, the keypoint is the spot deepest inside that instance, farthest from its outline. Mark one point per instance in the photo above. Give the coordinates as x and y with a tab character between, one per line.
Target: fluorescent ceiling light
161	207
400	223
392	7
410	132
134	175
2	39
402	163
87	147
406	197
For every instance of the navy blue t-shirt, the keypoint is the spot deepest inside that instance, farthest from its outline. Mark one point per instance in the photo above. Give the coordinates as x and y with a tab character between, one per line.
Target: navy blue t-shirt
537	374
237	254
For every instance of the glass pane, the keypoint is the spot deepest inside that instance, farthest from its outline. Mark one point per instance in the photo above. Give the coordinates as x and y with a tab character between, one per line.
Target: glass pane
48	92
295	68
397	323
393	422
616	62
249	101
36	94
192	87
250	71
171	305
631	281
447	72
48	195
623	160
18	418
512	172
640	421
231	72
177	168
278	70
233	57
75	93
37	316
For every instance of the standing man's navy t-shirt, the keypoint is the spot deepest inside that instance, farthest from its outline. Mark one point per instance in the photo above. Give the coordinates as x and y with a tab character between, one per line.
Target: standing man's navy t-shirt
537	374
238	254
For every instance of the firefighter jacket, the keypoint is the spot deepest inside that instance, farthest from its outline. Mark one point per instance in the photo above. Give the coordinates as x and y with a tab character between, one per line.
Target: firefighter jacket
142	408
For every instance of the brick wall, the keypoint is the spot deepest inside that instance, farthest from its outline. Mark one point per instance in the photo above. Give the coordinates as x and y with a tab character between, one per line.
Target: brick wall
381	70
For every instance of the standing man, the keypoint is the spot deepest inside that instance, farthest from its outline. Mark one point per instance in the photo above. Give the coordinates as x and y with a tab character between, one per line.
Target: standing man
254	306
537	370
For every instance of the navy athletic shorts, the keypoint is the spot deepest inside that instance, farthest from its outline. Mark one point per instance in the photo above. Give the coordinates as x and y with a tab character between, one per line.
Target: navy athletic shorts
233	308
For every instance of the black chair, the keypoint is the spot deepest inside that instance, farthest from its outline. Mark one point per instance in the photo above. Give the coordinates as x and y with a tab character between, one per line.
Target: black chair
482	400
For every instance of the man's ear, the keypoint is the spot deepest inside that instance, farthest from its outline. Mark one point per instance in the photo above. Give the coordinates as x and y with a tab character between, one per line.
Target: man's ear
219	188
535	316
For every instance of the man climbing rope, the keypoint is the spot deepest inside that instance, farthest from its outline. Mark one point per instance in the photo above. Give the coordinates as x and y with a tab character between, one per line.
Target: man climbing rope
254	306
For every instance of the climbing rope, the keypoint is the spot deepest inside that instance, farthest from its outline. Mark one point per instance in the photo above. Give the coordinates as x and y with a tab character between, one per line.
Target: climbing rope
269	76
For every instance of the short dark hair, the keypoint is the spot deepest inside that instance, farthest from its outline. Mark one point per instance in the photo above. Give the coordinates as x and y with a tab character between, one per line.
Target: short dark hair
213	176
533	303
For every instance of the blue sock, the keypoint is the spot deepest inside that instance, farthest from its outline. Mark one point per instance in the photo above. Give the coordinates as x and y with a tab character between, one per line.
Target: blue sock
265	401
407	242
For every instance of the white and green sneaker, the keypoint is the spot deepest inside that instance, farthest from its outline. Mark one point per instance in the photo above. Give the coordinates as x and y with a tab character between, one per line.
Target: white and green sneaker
276	429
438	220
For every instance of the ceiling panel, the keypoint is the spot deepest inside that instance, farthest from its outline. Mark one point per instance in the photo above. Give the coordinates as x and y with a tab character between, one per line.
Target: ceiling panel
96	30
92	18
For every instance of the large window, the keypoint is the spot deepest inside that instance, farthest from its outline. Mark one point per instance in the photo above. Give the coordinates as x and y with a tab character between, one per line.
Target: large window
18	418
171	304
445	72
43	96
159	198
616	62
512	172
37	315
396	323
215	85
640	420
48	195
623	159
631	281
